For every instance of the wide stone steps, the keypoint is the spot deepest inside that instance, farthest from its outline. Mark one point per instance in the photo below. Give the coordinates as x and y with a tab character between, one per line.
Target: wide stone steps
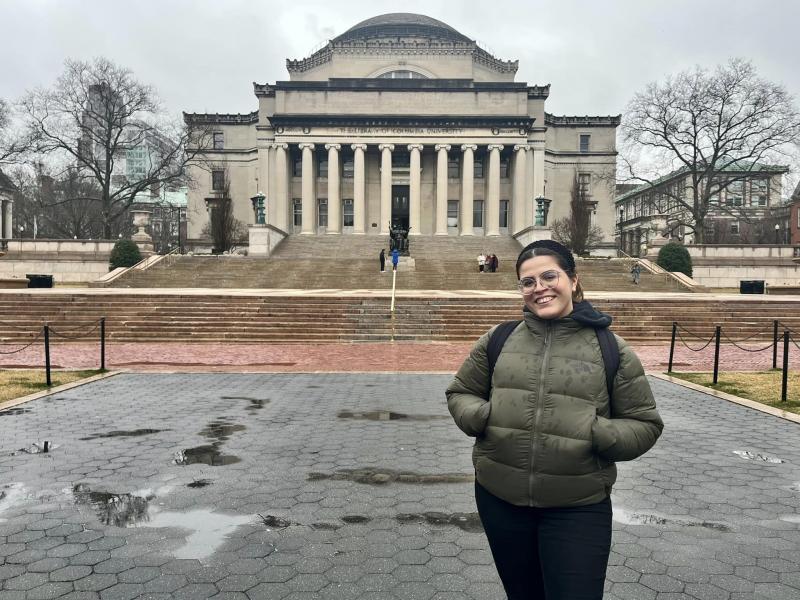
333	319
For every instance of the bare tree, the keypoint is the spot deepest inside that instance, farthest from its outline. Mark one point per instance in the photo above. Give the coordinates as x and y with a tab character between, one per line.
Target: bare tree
713	128
11	144
98	118
224	229
576	231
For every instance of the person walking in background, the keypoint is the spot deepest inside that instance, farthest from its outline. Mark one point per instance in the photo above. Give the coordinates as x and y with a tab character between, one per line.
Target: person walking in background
492	262
481	262
382	258
395	259
636	273
551	416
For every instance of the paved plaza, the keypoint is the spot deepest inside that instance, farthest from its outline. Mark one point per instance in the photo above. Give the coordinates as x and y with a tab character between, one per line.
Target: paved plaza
356	486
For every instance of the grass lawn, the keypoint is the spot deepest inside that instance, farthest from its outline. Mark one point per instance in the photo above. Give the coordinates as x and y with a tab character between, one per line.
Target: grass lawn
21	382
760	386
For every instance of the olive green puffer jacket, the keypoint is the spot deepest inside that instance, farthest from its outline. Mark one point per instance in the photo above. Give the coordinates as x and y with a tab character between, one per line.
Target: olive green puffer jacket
547	434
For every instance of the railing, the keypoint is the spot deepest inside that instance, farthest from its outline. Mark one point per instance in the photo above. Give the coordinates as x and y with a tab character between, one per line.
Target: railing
651	267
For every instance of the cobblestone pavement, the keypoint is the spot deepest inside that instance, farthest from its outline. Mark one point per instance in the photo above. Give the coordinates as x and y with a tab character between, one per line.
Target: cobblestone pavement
401	356
306	486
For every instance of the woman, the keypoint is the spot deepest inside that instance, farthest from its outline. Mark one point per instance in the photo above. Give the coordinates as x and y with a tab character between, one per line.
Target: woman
548	434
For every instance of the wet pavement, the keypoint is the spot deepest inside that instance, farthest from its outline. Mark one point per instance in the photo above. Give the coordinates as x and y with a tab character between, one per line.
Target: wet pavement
345	486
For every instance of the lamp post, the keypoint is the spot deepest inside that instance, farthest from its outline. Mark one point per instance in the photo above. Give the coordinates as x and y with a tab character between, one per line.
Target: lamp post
259	208
777	233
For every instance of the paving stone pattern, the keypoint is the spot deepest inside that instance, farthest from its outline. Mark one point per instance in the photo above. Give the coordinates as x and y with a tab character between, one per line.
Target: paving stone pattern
306	486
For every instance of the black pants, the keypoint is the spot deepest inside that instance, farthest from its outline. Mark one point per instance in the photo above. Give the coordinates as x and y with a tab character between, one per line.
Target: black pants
547	553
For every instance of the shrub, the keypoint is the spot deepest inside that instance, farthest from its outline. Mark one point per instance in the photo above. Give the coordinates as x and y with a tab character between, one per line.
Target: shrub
674	257
125	254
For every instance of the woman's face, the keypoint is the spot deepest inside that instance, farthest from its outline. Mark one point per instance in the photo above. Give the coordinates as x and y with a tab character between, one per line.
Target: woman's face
551	295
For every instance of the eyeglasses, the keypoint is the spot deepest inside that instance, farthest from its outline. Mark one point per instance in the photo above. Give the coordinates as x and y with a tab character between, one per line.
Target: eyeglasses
548	280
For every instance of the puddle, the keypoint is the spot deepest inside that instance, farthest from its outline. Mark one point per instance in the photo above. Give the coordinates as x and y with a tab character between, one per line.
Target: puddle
790	518
627	517
355	519
44	447
326	526
199	483
132	433
378	476
9	494
17	410
386	415
120	510
795	487
254	403
758	457
211	454
470	522
209	530
274	522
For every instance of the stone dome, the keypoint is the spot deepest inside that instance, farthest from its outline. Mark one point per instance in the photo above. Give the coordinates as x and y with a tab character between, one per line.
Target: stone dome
400	25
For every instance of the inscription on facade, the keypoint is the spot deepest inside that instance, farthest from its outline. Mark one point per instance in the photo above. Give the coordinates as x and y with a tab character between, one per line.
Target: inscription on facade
399	131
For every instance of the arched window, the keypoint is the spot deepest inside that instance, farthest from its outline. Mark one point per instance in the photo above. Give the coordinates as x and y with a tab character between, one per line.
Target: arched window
402	74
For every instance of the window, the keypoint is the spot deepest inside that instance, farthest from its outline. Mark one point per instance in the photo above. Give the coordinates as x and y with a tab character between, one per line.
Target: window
297	166
219	140
347	213
759	192
735	227
322	168
453	169
585	185
135	164
402	74
348	168
217	181
734	195
477	213
401	160
503	168
477	169
297	211
542	208
322	212
452	213
584	143
504	213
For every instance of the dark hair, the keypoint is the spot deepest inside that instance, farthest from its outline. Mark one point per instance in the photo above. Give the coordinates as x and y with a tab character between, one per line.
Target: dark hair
563	257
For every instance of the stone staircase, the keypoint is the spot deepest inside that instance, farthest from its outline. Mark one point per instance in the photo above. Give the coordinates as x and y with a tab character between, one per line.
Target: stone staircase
219	317
351	263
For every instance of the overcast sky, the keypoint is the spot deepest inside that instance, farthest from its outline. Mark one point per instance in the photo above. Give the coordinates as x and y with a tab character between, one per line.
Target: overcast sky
203	55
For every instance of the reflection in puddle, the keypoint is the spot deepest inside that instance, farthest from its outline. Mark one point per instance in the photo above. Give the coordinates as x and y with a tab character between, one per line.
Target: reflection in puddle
120	510
470	522
790	518
795	487
375	476
209	530
254	403
757	457
274	522
326	526
17	410
626	517
113	434
211	454
9	494
355	519
386	415
44	447
199	483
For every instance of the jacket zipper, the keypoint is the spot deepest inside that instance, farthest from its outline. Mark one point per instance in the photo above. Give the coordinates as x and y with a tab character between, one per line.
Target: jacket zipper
539	409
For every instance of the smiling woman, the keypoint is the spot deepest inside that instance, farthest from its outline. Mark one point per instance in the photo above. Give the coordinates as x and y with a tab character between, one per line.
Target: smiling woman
549	426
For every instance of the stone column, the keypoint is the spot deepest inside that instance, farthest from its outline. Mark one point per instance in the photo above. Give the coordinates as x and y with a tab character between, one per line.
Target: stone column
308	227
359	181
467	187
415	189
334	195
492	225
441	188
262	183
7	231
386	186
538	172
520	192
282	187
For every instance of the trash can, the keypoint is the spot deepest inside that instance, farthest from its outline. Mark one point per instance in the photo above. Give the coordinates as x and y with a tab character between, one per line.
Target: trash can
40	281
754	286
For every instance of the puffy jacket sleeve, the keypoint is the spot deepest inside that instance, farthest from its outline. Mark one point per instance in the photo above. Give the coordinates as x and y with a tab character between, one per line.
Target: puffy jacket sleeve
468	394
635	424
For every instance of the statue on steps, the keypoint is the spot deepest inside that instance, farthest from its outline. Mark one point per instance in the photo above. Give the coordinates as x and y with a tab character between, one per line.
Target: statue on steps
398	239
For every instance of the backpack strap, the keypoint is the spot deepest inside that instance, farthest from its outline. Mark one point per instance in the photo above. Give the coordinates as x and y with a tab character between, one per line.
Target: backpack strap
496	342
610	351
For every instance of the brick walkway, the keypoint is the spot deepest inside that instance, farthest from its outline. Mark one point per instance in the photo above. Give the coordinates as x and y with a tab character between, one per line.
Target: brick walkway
305	486
415	357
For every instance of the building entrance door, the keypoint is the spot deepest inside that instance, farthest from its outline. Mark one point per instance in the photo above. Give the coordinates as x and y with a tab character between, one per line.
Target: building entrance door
400	206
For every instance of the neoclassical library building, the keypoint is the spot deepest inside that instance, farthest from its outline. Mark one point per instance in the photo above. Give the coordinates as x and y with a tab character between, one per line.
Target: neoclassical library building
404	121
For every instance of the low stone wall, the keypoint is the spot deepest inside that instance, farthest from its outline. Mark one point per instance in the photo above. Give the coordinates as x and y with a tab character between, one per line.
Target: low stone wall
726	276
68	261
263	239
63	271
89	249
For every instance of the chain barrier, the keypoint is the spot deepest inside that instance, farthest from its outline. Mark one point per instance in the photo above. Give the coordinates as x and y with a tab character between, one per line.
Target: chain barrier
703	347
734	343
36	339
694	335
74	337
